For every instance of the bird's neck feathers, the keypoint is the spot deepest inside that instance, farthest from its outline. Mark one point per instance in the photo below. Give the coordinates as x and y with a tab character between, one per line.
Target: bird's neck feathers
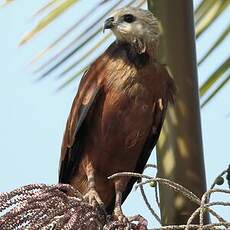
140	46
139	59
124	52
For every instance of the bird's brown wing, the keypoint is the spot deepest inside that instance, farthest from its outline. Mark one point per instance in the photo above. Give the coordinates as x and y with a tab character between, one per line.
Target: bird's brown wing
84	102
160	107
89	90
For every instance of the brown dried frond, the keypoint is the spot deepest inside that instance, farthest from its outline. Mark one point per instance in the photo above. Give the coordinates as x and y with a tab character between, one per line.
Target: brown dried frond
39	206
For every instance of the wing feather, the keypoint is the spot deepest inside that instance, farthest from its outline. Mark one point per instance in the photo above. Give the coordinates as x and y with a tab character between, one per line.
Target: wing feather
88	93
71	152
70	155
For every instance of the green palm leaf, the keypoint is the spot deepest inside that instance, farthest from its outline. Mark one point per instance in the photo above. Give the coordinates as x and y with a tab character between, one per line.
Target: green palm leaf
215	45
45	7
209	17
215	77
48	19
218	88
87	54
202	9
69	55
67	32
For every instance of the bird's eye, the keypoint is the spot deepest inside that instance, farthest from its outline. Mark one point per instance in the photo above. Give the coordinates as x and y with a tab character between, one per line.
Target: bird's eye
129	18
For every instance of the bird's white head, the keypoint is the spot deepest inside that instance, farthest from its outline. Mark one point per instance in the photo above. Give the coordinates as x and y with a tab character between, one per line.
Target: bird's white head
135	26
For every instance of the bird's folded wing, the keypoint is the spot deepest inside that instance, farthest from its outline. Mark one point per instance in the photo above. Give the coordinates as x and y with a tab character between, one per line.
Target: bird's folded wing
83	103
89	89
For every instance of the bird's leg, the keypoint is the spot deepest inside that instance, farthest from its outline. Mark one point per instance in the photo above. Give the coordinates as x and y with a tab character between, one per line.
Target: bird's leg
92	195
120	185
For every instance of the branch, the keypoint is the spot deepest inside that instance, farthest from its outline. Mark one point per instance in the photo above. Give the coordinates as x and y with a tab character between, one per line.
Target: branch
39	206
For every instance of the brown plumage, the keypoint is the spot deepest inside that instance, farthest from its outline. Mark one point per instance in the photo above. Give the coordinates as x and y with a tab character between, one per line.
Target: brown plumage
116	117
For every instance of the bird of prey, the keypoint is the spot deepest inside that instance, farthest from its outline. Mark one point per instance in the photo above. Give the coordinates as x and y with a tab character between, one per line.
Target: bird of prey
117	114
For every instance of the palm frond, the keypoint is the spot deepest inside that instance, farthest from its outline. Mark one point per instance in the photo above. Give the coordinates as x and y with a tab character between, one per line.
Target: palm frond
215	77
45	7
87	54
217	90
209	17
202	9
48	19
67	56
215	45
67	32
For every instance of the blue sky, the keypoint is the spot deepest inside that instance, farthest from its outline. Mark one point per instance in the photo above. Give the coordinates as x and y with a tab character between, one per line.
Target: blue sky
33	115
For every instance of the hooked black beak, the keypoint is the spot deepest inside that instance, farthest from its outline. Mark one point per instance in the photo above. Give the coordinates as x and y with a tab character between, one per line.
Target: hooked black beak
109	23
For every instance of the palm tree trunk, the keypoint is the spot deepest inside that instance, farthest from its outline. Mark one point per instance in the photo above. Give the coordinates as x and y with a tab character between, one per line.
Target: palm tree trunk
179	149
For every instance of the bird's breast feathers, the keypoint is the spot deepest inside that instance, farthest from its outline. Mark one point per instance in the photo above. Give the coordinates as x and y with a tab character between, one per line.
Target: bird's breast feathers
125	78
120	75
126	72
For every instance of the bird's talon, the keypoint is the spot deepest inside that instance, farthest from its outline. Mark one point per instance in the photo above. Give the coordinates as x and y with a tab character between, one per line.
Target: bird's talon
118	215
93	198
